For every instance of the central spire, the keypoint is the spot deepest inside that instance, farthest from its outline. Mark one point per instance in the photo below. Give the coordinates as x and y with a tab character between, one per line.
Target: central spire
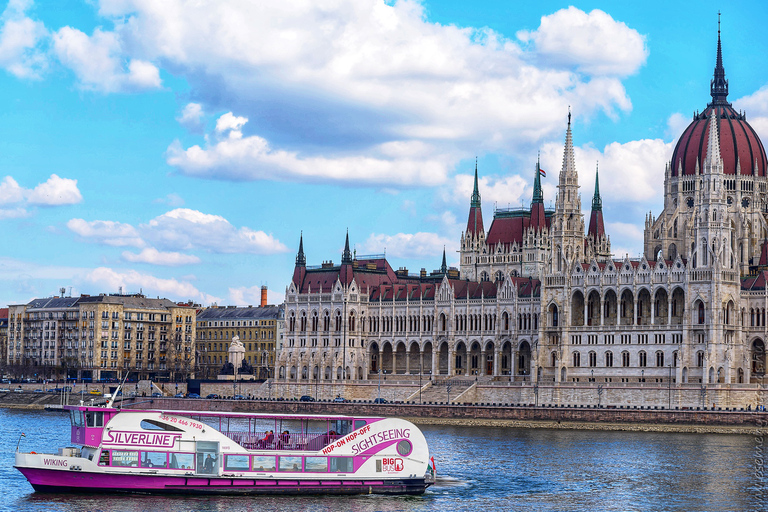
301	260
718	87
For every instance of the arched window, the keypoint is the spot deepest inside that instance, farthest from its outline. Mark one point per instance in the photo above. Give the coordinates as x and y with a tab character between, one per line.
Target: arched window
701	313
643	358
609	359
576	359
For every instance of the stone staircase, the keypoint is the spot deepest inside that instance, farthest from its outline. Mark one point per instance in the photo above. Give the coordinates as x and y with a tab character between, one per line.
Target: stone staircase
440	390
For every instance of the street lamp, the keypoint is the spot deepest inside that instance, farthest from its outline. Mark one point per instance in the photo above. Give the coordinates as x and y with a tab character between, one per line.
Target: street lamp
642	376
669	388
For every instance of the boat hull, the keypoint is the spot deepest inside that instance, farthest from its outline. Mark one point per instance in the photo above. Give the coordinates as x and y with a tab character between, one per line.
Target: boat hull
63	481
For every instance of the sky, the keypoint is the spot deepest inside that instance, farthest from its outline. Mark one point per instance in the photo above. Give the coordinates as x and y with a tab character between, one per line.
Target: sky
180	149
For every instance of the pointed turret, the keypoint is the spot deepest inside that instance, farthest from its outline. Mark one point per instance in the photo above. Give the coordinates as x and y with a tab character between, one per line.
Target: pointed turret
300	270
475	221
596	225
444	265
301	260
569	161
718	87
346	257
538	217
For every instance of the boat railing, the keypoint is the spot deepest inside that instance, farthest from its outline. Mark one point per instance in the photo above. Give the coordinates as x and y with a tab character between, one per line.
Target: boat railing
302	442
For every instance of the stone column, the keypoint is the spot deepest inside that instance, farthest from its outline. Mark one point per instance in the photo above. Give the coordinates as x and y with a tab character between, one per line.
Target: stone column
602	310
496	362
634	318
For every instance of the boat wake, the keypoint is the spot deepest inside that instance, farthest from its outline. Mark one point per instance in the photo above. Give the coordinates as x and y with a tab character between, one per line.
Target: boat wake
448	481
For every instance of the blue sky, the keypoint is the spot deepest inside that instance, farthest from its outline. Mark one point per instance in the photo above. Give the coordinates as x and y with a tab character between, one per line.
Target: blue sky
180	148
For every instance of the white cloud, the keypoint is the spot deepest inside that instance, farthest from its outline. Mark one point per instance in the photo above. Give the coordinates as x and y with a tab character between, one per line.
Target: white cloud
594	43
756	106
56	191
110	279
154	257
364	74
106	232
191	117
173	200
676	125
13	213
19	40
185	229
10	191
98	62
251	158
633	171
407	245
504	191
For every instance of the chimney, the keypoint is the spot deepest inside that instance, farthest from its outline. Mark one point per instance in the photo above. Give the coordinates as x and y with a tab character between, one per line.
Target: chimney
263	295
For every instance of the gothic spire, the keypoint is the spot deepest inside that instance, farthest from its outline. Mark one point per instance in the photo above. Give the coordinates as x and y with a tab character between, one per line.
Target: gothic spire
713	157
569	161
538	196
346	257
719	85
597	201
476	192
444	265
301	260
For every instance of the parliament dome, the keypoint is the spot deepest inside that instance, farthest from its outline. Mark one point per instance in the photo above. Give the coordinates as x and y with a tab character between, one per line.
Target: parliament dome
740	146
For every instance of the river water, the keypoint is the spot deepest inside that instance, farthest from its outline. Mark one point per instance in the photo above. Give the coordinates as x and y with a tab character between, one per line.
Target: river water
479	469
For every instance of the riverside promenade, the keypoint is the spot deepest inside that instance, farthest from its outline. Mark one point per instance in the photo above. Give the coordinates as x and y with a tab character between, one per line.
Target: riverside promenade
651	419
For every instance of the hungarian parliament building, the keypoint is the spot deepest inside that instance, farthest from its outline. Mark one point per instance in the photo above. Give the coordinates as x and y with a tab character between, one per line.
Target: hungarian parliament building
539	297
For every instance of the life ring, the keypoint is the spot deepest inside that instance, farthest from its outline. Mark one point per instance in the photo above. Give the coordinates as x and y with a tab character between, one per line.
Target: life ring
35	453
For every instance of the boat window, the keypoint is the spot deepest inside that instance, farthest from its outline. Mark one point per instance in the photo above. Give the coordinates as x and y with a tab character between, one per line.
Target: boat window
158	425
154	459
104	458
343	427
208	457
236	463
94	418
404	447
125	458
262	463
76	418
360	424
182	461
290	464
341	465
316	464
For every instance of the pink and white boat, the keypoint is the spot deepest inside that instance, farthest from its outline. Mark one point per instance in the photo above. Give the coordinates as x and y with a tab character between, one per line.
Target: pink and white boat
157	451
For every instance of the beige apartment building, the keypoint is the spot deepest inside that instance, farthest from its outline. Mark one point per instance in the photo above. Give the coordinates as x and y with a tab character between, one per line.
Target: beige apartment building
101	337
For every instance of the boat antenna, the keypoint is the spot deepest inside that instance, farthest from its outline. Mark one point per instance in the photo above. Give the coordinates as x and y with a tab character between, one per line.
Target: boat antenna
119	387
19	441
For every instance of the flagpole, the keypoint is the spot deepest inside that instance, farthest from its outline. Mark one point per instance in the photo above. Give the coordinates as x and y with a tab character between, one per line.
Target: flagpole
19	441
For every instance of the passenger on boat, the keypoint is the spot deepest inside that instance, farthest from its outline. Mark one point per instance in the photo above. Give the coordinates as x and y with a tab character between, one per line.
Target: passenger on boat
209	464
266	440
285	438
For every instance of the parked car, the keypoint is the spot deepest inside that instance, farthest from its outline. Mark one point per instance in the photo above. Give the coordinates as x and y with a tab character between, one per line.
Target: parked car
156	395
38	391
380	401
193	395
212	396
339	399
94	392
178	395
238	397
306	398
18	390
5	390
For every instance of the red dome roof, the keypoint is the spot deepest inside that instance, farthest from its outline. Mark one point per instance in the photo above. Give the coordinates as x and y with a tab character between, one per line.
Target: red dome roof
738	142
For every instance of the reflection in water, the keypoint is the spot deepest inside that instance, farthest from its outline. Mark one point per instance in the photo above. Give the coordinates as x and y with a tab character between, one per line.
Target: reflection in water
478	468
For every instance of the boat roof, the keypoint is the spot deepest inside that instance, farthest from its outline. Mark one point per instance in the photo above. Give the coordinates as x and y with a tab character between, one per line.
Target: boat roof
223	414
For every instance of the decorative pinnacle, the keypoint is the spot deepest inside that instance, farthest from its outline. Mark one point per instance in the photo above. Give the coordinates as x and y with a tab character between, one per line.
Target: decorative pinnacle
718	87
346	257
301	260
597	202
476	192
538	196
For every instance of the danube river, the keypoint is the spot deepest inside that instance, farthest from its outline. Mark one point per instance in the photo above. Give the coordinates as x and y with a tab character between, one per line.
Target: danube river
479	469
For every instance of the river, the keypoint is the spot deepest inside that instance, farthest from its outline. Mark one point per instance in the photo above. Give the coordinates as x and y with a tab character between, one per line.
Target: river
479	468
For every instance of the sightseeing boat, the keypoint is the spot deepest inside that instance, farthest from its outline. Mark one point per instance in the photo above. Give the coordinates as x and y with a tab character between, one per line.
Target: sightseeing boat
164	451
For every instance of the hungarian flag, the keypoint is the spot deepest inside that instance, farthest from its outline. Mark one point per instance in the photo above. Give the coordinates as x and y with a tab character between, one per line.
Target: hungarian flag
541	171
434	469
